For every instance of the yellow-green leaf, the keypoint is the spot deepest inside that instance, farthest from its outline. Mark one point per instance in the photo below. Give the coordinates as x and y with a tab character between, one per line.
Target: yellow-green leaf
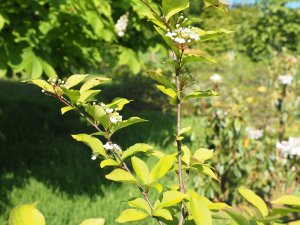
141	169
130	215
42	84
139	147
168	91
108	162
203	154
93	221
26	214
200	212
164	213
171	7
93	82
141	204
121	176
74	80
171	198
255	200
162	167
66	109
291	200
94	143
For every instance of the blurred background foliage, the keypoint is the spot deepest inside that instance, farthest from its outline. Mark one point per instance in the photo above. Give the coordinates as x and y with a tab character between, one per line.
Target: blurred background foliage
45	38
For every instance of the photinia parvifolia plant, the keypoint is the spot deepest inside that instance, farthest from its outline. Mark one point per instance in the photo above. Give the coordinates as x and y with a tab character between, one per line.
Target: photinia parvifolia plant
174	203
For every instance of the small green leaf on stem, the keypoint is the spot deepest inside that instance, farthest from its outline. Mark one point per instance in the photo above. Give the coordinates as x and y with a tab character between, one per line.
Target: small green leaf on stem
121	175
130	215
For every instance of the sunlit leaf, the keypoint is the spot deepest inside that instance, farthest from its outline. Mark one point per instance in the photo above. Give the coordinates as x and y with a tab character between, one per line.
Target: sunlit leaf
129	215
291	200
75	80
200	212
162	167
171	7
171	198
93	221
109	162
94	143
26	215
164	213
121	176
141	204
139	147
255	200
141	170
200	94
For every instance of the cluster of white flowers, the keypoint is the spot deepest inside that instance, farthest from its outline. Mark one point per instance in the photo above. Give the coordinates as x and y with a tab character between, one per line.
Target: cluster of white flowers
114	116
254	134
121	25
290	147
111	146
286	79
216	78
182	35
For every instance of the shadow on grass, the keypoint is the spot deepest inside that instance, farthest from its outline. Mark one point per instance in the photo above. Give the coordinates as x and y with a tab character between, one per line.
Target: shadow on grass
35	140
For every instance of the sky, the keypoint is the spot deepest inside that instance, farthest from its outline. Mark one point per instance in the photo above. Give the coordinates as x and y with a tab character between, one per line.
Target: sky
292	4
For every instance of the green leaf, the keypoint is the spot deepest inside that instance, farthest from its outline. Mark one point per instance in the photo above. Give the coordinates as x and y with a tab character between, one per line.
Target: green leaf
120	175
88	95
171	7
139	147
200	212
204	169
2	22
75	80
126	123
208	35
129	57
32	63
162	167
93	221
109	162
73	95
171	198
237	217
200	94
48	69
94	143
168	91
141	169
3	68
161	79
93	82
157	186
255	200
196	58
66	109
26	214
141	204
42	84
118	103
291	200
98	113
186	155
164	213
130	215
203	154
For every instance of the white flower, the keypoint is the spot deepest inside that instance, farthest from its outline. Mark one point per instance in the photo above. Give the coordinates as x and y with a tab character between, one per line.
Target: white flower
102	104
254	134
108	146
117	147
94	157
121	25
179	40
216	78
290	147
109	110
115	118
181	35
286	79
